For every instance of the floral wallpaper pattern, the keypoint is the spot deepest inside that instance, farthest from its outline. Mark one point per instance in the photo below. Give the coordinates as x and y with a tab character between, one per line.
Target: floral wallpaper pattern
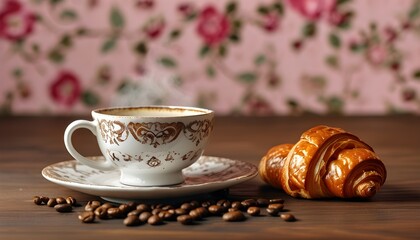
237	57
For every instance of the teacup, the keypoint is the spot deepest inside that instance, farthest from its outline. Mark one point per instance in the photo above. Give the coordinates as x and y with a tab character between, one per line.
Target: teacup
150	145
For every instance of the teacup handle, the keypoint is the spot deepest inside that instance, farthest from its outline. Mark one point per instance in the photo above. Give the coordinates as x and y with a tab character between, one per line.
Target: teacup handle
101	165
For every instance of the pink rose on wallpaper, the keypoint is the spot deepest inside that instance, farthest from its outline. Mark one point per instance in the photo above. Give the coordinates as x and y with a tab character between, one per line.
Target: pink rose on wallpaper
145	4
314	9
154	28
186	9
377	54
213	26
271	22
15	21
66	89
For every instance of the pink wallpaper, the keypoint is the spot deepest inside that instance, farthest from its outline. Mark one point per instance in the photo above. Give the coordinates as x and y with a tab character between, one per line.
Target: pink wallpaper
236	57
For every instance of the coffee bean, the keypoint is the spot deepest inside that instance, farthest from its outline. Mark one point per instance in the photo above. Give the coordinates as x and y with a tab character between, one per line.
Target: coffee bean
144	216
288	217
185	219
186	206
263	202
92	205
196	214
195	204
232	209
167	207
167	216
44	199
107	205
216	210
172	211
101	212
203	211
51	202
236	205
155	220
273	211
144	208
248	203
180	211
114	212
157	206
224	203
276	200
87	217
132	205
278	206
156	211
71	200
135	212
234	216
125	209
253	211
61	200
207	204
63	208
37	200
132	220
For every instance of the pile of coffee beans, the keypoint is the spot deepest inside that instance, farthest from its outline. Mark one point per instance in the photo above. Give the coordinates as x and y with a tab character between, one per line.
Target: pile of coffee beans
187	213
60	204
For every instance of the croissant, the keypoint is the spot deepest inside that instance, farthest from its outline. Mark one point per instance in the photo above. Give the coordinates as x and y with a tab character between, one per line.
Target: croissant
326	162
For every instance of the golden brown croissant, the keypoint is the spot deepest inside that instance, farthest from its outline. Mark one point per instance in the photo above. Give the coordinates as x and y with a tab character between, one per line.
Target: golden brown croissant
326	162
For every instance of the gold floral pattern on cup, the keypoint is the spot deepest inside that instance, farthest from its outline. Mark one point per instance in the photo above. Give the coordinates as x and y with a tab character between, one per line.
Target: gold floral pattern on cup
153	133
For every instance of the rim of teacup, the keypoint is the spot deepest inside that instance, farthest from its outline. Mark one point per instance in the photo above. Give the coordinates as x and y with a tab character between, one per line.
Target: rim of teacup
198	111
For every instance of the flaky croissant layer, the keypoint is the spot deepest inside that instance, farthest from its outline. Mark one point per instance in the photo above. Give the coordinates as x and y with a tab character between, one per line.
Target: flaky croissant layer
326	162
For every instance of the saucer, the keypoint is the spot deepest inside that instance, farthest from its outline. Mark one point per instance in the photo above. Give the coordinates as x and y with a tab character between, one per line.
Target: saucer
207	175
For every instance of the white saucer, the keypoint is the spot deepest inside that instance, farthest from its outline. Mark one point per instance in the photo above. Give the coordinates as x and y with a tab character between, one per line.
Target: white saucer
206	175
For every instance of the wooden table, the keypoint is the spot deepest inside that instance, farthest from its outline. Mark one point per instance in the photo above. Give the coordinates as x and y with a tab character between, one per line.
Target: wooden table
28	144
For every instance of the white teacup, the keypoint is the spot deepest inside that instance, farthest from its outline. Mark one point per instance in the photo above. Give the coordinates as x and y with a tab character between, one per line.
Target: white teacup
149	145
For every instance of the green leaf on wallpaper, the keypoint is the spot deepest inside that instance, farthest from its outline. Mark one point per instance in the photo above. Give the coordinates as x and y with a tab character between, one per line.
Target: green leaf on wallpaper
55	2
108	45
66	41
236	26
263	10
234	38
414	11
260	59
205	50
191	16
416	74
116	18
222	50
335	105
309	29
124	84
178	81
141	48
334	40
68	15
56	56
278	7
167	62
341	2
210	71
89	98
35	48
174	34
17	72
332	61
358	47
231	7
247	77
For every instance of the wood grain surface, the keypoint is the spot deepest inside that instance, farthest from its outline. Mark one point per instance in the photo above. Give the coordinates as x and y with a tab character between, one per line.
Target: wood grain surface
28	144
